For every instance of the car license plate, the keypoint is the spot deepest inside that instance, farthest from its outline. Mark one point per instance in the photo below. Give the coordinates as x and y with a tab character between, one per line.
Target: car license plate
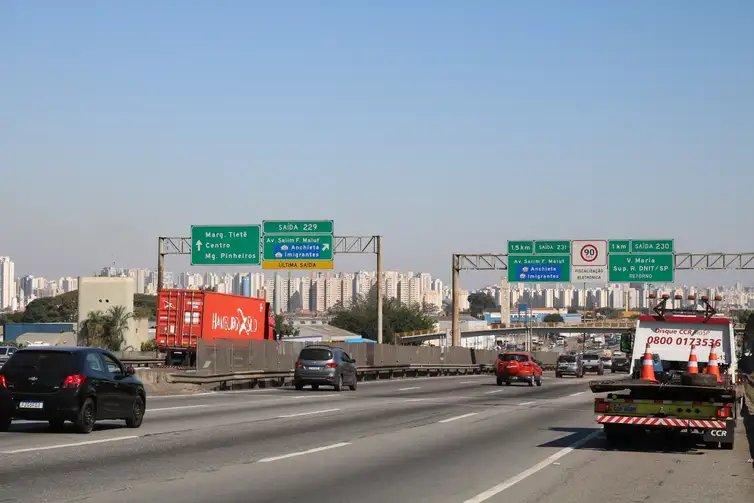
313	368
30	404
622	407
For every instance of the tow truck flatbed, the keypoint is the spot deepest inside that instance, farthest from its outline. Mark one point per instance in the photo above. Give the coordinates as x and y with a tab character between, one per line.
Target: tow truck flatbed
672	389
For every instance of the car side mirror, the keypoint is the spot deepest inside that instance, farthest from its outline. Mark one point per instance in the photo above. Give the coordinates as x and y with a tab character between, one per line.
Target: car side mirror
130	371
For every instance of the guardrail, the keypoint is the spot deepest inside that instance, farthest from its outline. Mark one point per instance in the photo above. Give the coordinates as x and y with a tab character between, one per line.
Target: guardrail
363	373
143	362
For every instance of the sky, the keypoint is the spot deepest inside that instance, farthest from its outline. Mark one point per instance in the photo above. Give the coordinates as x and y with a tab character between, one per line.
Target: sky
444	126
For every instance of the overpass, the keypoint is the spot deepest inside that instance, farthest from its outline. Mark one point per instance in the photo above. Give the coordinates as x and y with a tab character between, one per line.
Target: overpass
589	327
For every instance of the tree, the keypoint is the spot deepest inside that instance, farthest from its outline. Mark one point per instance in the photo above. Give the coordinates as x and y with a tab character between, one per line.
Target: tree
61	308
361	317
284	328
479	302
106	329
553	318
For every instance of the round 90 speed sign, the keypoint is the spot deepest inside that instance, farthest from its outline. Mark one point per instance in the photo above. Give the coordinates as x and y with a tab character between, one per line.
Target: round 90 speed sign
589	253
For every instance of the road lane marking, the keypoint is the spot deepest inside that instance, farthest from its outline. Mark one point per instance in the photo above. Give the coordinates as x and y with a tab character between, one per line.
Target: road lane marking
527	403
407	389
77	444
303	453
415	399
577	394
494	491
181	407
309	413
456	418
493	391
469	382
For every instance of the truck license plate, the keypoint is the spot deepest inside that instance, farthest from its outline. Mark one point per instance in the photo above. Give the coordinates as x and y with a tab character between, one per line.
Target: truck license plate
623	407
30	404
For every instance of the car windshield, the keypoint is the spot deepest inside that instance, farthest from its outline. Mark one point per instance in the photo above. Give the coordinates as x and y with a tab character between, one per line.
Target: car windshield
567	358
514	358
42	362
315	354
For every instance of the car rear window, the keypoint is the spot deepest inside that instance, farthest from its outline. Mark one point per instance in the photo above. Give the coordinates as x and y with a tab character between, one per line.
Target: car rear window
605	358
315	354
513	358
3	351
42	362
567	358
591	357
620	360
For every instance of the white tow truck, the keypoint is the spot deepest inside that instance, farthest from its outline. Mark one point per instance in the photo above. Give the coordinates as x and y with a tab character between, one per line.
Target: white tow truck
677	401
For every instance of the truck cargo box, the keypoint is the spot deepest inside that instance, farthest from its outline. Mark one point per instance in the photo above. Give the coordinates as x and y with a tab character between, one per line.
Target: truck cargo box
185	316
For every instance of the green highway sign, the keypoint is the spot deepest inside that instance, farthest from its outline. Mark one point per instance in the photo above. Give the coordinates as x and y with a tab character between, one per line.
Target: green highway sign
298	244
552	247
652	246
619	246
297	227
314	247
225	244
641	268
539	268
520	247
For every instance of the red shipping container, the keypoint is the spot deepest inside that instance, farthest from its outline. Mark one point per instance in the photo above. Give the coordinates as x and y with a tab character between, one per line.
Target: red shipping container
185	316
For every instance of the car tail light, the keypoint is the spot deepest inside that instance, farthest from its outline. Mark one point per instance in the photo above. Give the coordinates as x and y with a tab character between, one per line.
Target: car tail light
299	364
3	384
74	381
331	365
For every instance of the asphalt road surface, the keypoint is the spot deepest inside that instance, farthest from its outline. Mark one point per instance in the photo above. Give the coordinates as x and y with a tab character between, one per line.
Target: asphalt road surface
439	440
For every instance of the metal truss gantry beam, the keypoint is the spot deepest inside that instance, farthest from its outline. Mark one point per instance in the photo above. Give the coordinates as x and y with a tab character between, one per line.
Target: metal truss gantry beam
341	245
499	262
683	261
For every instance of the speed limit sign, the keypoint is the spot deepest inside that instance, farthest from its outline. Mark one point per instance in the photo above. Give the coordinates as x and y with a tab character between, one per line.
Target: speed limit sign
589	253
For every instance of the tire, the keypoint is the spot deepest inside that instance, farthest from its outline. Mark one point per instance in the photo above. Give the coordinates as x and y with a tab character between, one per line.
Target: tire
531	382
539	382
298	385
507	383
137	413
5	423
315	387
617	435
499	381
339	383
86	417
56	424
352	386
558	375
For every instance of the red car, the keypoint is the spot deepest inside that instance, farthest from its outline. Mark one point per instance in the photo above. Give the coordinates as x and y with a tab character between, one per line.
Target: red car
518	366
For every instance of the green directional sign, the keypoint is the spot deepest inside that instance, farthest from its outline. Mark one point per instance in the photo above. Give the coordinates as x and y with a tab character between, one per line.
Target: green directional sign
298	244
652	246
297	227
520	247
641	268
225	244
539	268
619	246
552	247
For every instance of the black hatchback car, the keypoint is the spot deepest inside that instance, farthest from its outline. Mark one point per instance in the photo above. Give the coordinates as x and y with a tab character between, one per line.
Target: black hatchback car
58	384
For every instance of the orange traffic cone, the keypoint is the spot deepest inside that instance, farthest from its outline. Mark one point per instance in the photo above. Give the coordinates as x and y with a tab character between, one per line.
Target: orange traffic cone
712	367
647	366
692	367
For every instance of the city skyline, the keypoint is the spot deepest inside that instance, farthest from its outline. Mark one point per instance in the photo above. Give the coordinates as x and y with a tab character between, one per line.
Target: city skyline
319	291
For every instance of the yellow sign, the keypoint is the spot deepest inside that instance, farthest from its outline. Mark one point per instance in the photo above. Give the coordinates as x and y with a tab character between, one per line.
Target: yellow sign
297	264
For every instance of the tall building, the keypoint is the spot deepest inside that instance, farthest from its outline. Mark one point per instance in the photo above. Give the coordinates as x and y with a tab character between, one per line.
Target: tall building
7	283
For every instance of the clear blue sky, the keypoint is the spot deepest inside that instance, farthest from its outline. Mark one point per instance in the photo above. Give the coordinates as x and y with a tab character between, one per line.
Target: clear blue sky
445	126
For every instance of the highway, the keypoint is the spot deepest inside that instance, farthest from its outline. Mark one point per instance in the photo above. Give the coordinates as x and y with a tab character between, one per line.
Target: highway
441	440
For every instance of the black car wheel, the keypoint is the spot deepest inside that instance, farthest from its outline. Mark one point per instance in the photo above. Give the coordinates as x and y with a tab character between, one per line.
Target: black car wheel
5	423
86	417
352	386
298	385
137	414
339	383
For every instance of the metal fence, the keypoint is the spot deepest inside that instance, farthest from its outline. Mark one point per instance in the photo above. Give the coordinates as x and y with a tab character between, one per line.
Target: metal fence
228	355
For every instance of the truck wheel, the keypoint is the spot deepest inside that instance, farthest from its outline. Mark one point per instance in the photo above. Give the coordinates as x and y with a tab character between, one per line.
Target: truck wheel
558	375
616	434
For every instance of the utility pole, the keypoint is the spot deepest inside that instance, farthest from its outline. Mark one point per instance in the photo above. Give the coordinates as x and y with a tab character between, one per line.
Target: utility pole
456	332
379	289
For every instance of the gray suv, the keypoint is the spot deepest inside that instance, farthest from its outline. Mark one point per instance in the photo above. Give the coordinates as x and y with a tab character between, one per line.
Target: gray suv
326	365
569	365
